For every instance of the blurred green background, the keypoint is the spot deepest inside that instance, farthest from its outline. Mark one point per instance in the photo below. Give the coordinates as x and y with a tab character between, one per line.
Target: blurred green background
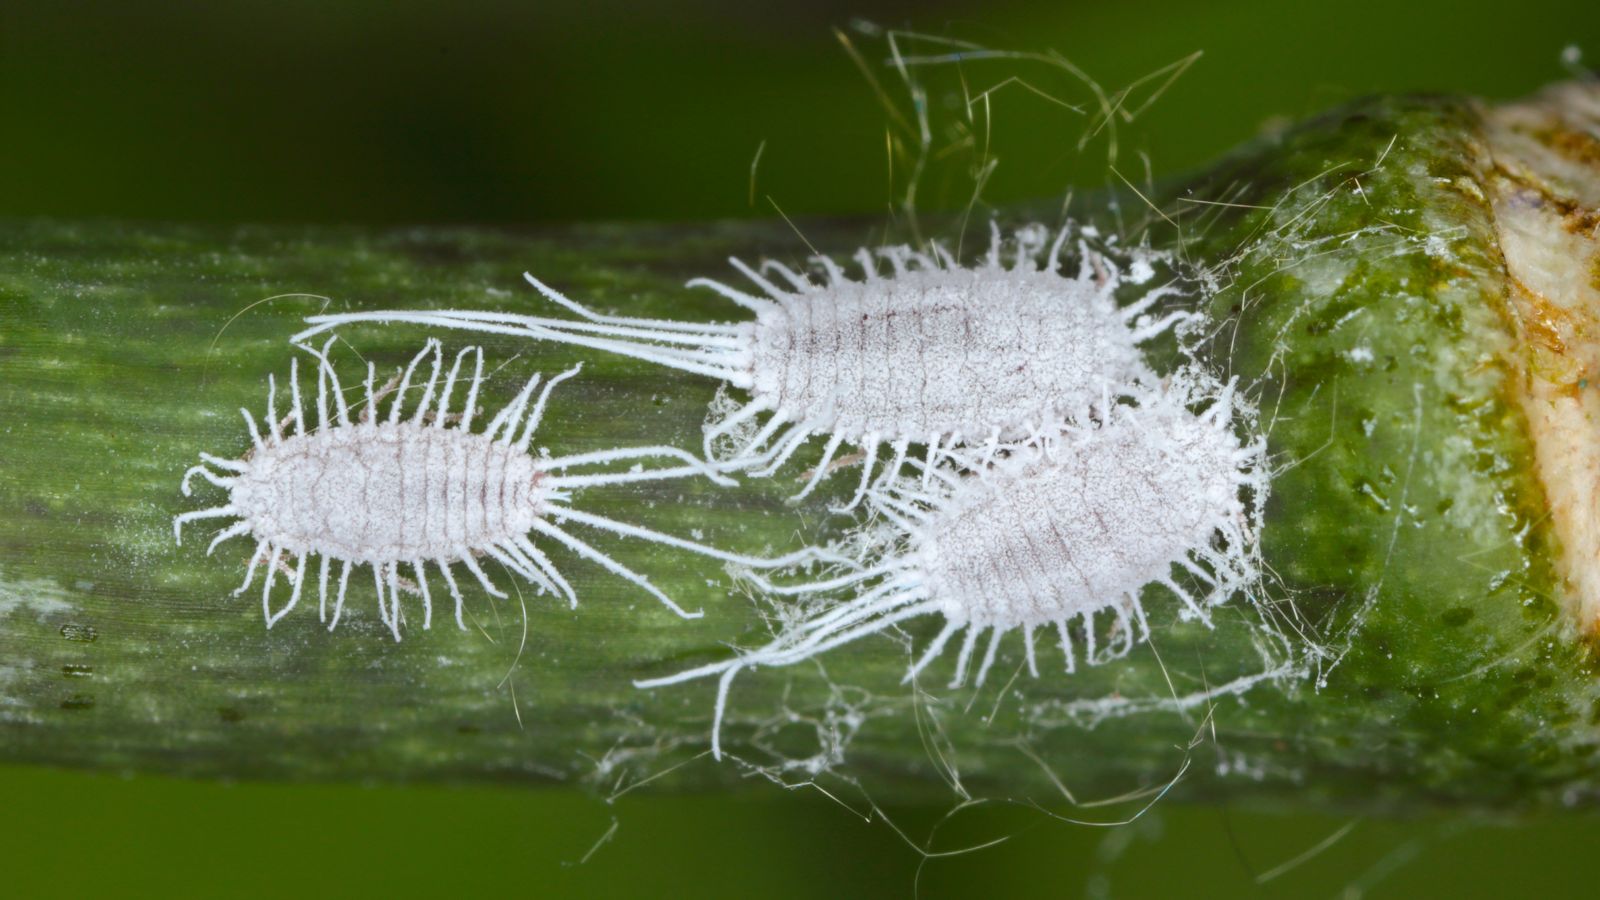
413	112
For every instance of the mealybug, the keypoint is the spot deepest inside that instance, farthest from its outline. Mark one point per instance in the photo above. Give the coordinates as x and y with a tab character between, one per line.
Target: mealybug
1064	530
403	492
936	352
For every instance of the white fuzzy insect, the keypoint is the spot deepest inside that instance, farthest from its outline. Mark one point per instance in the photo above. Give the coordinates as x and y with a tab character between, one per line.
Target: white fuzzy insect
1054	532
936	353
400	493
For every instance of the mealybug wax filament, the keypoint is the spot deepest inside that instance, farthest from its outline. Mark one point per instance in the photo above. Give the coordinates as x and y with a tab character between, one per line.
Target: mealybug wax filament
404	492
1061	530
936	352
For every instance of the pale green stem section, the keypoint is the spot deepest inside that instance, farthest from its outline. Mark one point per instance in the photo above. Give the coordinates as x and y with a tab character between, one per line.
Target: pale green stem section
1411	646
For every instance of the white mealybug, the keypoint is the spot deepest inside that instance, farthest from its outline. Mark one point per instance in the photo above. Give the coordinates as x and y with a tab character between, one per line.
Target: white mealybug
1064	531
400	493
936	353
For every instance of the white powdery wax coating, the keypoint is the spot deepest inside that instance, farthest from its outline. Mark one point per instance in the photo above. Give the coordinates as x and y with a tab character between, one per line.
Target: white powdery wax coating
392	491
1065	529
934	352
955	351
414	491
1037	540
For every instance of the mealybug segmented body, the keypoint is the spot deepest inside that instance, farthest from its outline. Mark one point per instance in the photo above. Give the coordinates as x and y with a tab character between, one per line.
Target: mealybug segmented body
936	352
398	493
1064	532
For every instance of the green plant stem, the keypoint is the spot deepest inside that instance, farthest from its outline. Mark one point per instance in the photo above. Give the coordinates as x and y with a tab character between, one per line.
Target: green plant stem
1415	649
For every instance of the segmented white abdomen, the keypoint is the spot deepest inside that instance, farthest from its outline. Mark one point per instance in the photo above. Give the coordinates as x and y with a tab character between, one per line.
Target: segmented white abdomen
405	493
943	352
1040	537
392	491
933	352
1063	530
